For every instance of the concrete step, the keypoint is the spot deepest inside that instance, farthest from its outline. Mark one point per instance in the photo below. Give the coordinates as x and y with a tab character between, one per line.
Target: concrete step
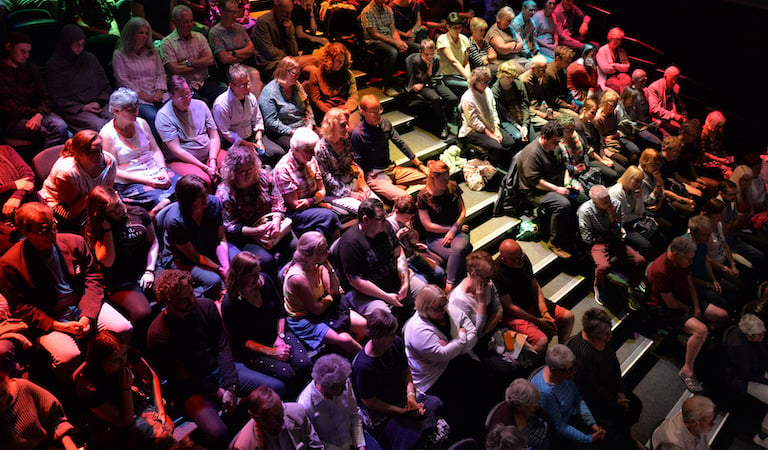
539	254
400	120
376	92
561	286
476	202
588	302
359	75
491	232
423	143
721	417
632	351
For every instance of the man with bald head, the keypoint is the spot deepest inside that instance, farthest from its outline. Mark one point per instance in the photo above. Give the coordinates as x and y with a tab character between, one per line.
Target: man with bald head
689	427
370	143
274	37
667	108
529	313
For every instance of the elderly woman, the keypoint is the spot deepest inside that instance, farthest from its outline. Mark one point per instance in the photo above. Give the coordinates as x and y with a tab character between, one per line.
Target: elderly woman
640	228
507	437
299	180
313	299
344	181
613	63
480	125
332	85
480	51
331	406
505	41
439	339
578	158
255	319
193	237
453	48
561	400
81	167
598	376
607	123
747	365
142	177
441	213
582	74
397	417
284	103
512	102
519	409
137	66
745	204
715	155
253	212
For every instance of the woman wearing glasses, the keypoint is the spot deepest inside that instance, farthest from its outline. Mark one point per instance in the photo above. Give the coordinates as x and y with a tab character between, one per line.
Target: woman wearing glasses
284	103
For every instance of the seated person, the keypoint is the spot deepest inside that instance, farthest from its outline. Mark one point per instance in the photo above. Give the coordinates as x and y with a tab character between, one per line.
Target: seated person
692	159
453	48
343	179
425	81
669	208
187	53
105	386
521	402
666	106
533	80
384	40
95	18
503	437
77	84
441	214
274	424
608	162
555	83
142	177
562	403
507	43
231	44
66	299
732	276
612	63
673	303
299	180
407	15
331	84
480	51
706	282
253	313
253	212
548	32
137	66
480	125
639	226
572	19
274	38
394	413
734	222
689	427
512	102
25	106
523	25
17	184
582	74
187	129
330	403
312	296
284	103
716	157
629	126
238	117
607	123
82	166
193	237
542	180
189	345
370	143
598	376
580	159
530	313
305	26
670	169
600	226
30	416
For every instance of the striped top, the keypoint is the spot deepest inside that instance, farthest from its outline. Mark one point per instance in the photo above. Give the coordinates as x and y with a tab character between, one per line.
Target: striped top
143	73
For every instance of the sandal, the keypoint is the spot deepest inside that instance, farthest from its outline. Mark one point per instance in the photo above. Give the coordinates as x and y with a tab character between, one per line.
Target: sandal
691	382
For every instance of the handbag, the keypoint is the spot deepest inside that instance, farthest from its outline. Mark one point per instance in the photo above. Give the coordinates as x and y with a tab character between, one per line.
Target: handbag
271	241
646	226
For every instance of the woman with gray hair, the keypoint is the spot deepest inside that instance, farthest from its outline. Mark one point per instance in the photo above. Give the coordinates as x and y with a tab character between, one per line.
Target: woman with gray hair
331	406
508	44
506	437
747	365
142	177
519	409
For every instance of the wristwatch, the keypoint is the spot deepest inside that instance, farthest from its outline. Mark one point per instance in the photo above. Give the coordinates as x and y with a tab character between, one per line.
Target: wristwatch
281	335
188	63
234	53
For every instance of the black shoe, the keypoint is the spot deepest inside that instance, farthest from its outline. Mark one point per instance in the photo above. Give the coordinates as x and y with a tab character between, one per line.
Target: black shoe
444	132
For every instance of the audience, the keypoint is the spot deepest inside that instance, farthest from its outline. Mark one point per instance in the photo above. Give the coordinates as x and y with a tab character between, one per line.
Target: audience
427	82
284	103
639	227
523	25
666	106
512	102
453	48
555	84
274	38
480	51
506	438
612	63
572	19
303	20
231	44
582	74
331	84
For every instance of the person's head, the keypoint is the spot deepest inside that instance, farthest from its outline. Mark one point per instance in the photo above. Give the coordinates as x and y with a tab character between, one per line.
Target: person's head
103	203
71	41
511	254
699	415
713	208
371	110
671	75
504	17
335	58
302	145
427	50
173	288
192	195
455	23
588	110
181	94
35	221
124	105
266	409
752	327
183	19
567	4
244	276
568	123
479	269
690	131
615	36
507	72
240	168
381	326
431	303
727	190
631	179
371	216
105	356
589	55
529	8
561	362
714	122
549	6
523	396
639	78
628	96
506	437
238	81
597	325
231	10
330	374
754	162
608	101
283	8
650	160
742	176
563	56
550	136
287	71
335	125
478	27
85	147
405	207
311	249
680	252
671	147
598	194
18	48
439	175
480	78
539	65
136	36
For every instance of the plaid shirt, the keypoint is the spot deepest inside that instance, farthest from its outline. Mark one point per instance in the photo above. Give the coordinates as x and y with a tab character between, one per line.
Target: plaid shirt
378	18
176	49
289	177
244	207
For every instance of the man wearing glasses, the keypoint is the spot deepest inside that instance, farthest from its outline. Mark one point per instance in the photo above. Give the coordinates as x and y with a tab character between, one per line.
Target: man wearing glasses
52	283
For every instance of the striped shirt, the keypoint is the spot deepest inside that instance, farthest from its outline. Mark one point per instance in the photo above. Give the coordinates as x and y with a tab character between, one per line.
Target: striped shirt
142	73
177	50
379	18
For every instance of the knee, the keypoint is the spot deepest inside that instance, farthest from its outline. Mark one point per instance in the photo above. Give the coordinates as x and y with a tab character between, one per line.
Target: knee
540	346
699	330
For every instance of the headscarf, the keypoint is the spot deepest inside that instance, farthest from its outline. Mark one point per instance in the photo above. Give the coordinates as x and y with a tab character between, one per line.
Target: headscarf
69	35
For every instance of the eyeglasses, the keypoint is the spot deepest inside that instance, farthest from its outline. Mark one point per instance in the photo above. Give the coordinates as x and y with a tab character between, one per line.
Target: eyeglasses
292	71
184	97
130	109
45	230
485	82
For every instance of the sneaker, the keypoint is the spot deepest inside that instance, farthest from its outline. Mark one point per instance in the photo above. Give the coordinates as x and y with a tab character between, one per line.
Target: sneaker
391	92
691	382
598	298
618	278
761	442
444	132
559	252
633	301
